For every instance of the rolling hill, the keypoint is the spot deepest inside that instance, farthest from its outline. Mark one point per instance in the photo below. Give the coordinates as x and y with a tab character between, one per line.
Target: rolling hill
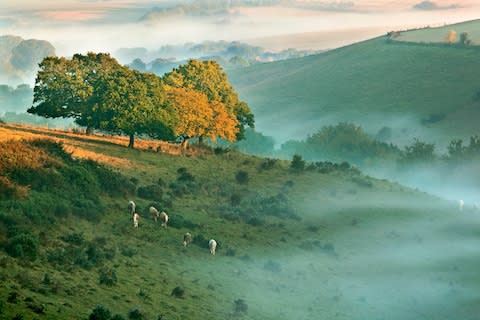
439	34
324	242
418	90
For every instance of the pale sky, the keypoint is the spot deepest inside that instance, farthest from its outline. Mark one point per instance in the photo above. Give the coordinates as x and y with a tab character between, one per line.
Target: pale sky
105	25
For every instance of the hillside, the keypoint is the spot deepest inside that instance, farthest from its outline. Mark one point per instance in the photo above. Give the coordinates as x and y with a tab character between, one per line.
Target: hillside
439	34
422	91
322	243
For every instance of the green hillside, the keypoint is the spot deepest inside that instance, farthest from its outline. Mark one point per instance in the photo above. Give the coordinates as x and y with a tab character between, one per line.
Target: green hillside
439	34
324	242
422	91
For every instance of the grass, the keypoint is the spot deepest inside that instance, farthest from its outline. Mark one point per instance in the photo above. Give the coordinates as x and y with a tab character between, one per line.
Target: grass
373	83
439	34
359	251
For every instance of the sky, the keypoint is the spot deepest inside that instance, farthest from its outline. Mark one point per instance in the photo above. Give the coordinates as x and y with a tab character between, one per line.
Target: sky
105	25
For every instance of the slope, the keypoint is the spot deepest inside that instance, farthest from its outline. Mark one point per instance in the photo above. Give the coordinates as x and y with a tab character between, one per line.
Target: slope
323	242
424	91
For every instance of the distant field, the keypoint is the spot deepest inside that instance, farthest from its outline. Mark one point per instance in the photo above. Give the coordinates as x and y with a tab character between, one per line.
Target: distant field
438	35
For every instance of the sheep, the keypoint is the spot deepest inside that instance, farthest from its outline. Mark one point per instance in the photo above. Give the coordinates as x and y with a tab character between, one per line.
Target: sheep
154	212
131	207
212	244
461	203
136	220
187	238
164	219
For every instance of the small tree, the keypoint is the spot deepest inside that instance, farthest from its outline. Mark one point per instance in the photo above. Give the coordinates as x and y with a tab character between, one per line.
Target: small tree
419	152
298	163
100	313
464	39
451	36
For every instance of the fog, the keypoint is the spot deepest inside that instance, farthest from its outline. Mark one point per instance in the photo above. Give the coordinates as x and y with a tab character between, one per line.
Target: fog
96	26
405	257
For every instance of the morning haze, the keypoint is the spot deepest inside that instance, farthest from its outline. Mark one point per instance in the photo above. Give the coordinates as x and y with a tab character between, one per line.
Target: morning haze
330	148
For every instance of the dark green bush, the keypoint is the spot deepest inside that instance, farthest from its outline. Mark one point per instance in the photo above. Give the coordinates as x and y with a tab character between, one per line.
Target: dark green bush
177	221
24	245
100	313
240	306
200	241
112	182
107	276
235	199
241	177
136	314
74	238
178	292
151	192
297	164
268	164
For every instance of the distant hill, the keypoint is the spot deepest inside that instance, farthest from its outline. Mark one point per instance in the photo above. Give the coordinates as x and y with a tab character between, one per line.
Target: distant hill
19	58
439	34
426	91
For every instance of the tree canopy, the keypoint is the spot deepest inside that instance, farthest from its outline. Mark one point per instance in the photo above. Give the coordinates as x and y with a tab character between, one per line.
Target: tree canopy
208	78
99	93
194	100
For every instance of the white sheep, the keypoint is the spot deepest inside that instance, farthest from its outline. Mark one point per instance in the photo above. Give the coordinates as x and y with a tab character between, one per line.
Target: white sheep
461	203
212	244
136	220
187	238
131	207
154	212
164	218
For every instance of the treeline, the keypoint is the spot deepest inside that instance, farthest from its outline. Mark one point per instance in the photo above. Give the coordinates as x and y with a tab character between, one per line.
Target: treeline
194	100
349	142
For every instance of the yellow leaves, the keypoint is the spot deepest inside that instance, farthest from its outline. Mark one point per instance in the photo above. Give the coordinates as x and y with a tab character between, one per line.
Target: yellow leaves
197	117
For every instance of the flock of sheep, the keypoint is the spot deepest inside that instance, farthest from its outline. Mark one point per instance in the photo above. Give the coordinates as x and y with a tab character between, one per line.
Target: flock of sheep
187	237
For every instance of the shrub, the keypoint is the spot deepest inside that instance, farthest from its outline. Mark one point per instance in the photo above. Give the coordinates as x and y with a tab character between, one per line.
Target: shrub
177	221
240	306
112	182
136	314
200	241
128	252
74	238
268	164
107	276
297	164
24	245
184	175
178	292
100	313
242	177
235	199
151	192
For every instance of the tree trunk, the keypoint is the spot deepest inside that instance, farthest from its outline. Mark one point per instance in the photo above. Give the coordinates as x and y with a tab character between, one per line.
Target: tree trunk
89	130
200	140
184	145
132	141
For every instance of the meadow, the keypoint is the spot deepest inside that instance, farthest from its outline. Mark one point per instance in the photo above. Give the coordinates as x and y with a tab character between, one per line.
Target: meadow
301	242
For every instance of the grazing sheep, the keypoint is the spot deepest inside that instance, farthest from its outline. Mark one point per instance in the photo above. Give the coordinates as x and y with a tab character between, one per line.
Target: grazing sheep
164	218
131	207
154	212
461	203
187	238
212	244
136	220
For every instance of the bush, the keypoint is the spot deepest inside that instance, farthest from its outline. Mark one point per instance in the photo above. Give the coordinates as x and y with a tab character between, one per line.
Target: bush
100	313
178	292
151	192
242	177
268	164
200	241
235	199
24	245
297	164
107	276
184	175
178	221
112	182
136	314
240	306
74	238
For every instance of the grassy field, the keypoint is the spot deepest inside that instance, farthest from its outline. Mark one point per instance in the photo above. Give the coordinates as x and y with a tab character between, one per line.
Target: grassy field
429	92
355	248
439	34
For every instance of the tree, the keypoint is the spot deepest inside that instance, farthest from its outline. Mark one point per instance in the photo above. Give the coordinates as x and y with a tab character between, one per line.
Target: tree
99	93
197	117
451	36
419	152
208	78
464	39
